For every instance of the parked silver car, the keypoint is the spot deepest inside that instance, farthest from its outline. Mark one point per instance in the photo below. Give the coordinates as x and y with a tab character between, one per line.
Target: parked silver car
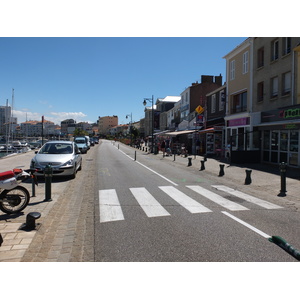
63	156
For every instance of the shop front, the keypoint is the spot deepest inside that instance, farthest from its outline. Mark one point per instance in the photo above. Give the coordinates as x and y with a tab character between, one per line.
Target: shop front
242	138
280	136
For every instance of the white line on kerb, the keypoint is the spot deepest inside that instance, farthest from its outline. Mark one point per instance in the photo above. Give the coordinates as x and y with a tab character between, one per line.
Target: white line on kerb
247	225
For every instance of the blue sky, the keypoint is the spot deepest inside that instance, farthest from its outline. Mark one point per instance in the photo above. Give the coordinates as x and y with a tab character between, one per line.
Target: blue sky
87	77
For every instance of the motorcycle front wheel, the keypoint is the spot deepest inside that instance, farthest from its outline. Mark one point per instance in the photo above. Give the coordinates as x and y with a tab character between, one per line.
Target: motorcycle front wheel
14	200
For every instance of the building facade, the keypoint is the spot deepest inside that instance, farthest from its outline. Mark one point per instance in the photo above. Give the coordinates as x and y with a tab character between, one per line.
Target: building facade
105	123
276	97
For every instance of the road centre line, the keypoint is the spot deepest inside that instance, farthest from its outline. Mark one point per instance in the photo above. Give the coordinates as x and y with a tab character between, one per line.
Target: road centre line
165	178
247	225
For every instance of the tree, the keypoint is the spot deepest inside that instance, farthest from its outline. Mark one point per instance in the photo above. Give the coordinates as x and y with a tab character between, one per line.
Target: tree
79	132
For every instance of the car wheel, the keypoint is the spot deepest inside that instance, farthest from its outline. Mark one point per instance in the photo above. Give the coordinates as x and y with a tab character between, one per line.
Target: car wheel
73	176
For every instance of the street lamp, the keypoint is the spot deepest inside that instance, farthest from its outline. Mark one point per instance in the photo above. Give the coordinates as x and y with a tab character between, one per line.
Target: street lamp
152	127
130	128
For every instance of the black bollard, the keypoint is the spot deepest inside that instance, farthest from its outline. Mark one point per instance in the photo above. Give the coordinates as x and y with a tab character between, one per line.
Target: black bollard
190	161
174	157
248	177
30	220
134	155
1	240
221	173
205	157
202	165
282	168
48	172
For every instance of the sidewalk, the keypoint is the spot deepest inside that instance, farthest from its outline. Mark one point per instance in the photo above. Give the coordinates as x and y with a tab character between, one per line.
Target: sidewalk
265	179
15	240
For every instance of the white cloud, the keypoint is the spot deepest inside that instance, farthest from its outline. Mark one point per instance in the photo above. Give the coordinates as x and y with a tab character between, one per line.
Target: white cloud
55	117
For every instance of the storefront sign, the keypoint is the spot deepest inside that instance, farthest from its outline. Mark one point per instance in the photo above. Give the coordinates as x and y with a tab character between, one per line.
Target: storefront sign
238	122
284	114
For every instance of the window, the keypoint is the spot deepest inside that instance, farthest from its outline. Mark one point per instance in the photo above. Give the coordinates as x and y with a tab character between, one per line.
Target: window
286	83
239	103
213	103
274	50
261	57
245	62
274	87
260	91
222	99
232	70
286	45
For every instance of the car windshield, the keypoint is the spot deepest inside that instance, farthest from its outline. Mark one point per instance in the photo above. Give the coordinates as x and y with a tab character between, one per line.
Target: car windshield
82	141
59	148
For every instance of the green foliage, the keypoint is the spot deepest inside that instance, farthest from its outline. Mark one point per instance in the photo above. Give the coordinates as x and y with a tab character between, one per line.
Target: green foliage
79	132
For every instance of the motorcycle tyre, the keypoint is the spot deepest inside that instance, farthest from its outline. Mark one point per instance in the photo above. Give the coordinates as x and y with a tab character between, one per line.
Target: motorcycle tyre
25	201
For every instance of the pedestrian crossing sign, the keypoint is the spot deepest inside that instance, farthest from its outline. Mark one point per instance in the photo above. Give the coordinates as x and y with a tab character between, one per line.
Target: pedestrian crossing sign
199	109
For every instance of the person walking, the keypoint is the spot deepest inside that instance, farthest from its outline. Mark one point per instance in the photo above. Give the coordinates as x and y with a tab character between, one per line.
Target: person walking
163	147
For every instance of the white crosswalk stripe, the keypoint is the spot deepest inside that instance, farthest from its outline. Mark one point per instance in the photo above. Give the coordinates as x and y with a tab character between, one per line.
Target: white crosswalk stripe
110	207
246	197
148	203
187	202
217	198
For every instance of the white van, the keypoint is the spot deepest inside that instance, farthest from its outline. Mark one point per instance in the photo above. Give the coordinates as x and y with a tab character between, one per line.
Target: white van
87	138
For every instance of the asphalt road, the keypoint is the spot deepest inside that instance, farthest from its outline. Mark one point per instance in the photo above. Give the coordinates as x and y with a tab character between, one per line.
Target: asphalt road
150	210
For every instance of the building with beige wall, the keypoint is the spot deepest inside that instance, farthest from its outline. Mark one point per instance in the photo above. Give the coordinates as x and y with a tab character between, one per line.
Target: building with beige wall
240	118
105	123
276	98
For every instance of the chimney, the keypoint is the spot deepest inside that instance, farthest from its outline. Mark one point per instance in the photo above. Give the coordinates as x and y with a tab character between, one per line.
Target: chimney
218	80
207	79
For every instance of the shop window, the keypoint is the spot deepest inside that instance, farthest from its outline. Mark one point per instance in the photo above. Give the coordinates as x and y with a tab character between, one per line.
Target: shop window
274	140
266	144
294	141
283	141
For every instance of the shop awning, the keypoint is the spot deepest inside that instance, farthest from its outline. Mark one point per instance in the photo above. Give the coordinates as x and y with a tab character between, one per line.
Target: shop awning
174	133
211	129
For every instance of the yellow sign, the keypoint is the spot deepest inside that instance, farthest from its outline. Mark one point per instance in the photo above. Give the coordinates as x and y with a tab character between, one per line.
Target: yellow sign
199	109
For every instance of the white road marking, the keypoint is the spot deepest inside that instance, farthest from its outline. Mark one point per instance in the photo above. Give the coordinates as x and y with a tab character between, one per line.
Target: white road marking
149	204
247	225
188	203
110	209
217	198
165	178
246	197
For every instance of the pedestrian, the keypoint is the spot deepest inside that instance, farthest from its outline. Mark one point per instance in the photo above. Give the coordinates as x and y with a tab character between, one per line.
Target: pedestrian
163	147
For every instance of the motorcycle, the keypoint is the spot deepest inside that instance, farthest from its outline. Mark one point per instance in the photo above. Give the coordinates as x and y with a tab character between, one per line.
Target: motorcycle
14	197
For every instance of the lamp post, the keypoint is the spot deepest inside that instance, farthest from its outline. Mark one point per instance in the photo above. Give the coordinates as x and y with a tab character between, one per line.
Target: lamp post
152	115
130	127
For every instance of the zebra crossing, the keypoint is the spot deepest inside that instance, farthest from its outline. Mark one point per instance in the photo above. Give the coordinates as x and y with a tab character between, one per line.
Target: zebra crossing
111	210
